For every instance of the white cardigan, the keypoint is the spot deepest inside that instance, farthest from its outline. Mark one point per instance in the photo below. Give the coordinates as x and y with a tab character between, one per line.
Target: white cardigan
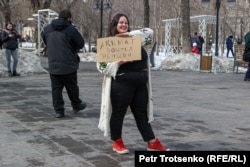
110	71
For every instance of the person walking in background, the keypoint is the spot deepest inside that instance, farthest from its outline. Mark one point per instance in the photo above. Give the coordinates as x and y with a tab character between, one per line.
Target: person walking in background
127	85
195	43
247	47
10	39
1	42
229	43
63	42
201	39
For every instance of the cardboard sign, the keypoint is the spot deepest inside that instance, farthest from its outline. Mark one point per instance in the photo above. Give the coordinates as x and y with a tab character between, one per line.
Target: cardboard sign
118	48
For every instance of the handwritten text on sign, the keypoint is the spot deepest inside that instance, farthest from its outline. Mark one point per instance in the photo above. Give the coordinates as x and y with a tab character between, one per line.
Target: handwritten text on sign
118	48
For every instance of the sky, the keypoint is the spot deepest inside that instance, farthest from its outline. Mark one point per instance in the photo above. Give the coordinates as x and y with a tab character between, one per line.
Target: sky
30	63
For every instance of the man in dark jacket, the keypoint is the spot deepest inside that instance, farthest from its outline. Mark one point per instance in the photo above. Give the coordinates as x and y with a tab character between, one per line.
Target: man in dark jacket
63	42
229	43
201	39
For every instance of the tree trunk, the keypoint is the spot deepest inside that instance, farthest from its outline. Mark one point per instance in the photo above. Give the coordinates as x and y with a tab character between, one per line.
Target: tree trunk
185	15
7	14
37	4
146	13
5	10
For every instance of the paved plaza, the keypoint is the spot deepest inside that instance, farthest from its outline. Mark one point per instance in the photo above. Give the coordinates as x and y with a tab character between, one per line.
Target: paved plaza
193	111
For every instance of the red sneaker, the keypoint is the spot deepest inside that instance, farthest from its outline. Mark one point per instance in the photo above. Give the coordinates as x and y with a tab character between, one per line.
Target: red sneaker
119	147
156	146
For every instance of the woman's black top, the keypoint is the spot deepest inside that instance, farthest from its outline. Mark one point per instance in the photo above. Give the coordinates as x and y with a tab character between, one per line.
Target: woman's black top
135	66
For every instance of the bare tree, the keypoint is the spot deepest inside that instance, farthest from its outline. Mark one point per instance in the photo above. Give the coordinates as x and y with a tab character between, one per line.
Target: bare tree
87	21
185	15
40	4
64	4
5	10
157	18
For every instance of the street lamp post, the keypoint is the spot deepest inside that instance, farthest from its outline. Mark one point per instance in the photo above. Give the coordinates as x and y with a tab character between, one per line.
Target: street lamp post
217	27
101	18
217	5
100	5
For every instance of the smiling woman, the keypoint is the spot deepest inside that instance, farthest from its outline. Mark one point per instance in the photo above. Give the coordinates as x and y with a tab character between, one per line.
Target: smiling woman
127	86
10	41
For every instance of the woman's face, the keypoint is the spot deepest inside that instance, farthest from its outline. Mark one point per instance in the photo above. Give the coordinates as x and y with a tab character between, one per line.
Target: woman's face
122	26
9	26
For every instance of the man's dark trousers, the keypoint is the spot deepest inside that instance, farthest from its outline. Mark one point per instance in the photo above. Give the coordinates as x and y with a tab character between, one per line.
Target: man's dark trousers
69	81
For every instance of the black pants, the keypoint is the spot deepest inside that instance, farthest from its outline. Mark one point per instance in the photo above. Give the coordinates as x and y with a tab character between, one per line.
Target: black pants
200	51
69	81
247	75
130	90
230	49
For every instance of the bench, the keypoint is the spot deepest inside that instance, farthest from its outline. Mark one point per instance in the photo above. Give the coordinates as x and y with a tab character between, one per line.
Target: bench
238	61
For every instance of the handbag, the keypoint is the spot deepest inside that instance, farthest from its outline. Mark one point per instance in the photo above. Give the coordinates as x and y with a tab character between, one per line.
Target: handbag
246	55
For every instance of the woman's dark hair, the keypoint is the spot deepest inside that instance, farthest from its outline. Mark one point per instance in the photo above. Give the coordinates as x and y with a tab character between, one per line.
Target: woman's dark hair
112	27
8	24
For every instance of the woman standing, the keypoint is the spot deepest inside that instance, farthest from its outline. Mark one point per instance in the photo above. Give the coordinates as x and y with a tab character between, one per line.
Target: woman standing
127	85
10	36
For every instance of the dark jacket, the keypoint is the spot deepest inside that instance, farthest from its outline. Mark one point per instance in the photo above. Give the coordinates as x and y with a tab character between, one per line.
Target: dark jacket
10	42
229	43
195	39
1	42
63	42
201	39
247	40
